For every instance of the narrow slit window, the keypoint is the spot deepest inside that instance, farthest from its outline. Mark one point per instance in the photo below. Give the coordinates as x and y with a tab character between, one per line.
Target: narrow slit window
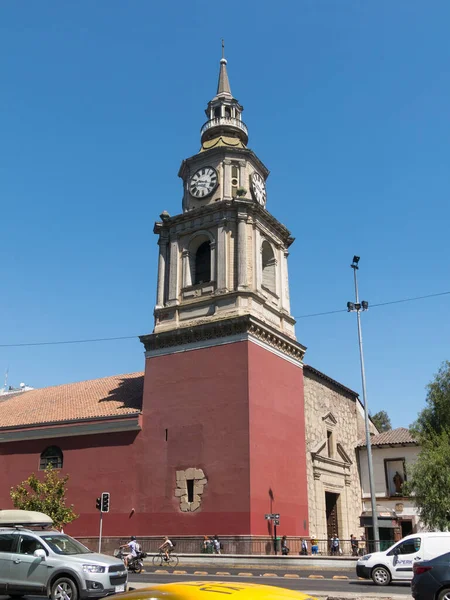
330	443
167	434
190	489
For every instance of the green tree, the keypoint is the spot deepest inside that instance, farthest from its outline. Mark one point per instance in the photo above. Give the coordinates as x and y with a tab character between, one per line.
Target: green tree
435	417
429	478
47	496
429	481
382	421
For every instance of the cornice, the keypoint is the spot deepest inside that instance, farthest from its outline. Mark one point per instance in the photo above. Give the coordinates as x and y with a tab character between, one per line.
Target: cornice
245	324
253	209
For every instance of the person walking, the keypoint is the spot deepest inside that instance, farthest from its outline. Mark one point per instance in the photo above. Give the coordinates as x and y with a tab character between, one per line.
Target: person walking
303	547
217	544
354	545
334	545
284	546
314	545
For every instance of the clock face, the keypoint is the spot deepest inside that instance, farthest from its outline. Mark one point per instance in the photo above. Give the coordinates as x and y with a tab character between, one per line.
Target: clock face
259	189
203	182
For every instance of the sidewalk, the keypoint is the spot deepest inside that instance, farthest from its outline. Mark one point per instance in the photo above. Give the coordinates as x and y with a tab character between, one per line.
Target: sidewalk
273	562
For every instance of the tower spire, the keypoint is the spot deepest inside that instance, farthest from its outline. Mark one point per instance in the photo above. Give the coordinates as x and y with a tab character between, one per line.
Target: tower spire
223	85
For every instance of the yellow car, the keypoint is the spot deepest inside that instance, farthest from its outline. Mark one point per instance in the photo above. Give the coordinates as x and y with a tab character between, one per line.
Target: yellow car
212	590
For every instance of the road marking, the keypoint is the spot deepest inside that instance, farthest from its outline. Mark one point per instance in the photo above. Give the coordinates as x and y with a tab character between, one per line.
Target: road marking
316	577
201	573
292	575
161	571
245	574
223	573
340	577
179	572
270	575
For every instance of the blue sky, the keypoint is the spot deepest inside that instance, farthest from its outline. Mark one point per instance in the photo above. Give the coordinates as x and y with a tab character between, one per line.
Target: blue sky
347	104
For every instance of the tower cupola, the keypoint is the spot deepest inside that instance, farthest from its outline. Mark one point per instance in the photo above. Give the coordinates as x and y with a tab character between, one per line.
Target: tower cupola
224	112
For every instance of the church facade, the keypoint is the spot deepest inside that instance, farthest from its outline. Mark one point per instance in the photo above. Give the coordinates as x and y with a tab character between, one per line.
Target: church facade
227	424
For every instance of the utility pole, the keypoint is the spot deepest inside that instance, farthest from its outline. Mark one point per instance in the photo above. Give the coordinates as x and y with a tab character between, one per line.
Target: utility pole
357	307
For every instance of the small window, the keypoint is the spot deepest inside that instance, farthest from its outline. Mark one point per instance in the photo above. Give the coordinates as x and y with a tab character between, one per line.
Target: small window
227	111
6	542
203	263
190	489
52	456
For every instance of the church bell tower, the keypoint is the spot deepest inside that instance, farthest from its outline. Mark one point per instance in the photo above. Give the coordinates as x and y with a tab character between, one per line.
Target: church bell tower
223	390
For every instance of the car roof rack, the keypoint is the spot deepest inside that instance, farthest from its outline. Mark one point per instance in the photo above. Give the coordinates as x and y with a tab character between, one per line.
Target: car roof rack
20	519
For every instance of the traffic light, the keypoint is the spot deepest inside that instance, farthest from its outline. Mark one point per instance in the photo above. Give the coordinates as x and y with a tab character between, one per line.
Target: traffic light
105	502
98	504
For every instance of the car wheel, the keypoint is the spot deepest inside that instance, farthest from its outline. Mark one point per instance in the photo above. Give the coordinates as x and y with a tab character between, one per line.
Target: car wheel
381	576
64	588
444	594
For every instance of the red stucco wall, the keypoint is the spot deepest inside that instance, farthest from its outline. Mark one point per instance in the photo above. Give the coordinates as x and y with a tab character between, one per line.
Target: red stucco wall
201	398
277	444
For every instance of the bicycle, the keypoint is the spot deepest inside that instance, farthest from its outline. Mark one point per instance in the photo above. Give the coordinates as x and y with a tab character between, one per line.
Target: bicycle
160	559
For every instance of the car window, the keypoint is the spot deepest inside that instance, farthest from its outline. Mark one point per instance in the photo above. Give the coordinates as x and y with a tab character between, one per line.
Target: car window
407	547
63	544
6	542
28	545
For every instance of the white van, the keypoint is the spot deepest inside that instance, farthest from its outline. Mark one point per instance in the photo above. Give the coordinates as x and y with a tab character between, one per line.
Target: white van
396	563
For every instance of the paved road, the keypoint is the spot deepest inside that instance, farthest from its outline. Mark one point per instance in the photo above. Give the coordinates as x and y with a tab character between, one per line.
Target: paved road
302	580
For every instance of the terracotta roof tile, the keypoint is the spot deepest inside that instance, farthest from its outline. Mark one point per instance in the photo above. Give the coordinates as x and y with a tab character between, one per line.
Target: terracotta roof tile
401	435
110	396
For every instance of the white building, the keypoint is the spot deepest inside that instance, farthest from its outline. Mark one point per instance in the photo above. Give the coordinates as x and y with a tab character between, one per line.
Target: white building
392	452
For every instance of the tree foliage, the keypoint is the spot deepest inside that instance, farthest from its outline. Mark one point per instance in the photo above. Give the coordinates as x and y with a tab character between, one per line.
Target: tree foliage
435	417
381	421
429	482
47	496
429	478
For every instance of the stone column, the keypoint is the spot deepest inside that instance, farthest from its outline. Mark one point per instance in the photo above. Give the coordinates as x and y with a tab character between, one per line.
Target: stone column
242	251
242	182
162	242
213	261
222	271
227	179
258	263
187	278
285	290
173	271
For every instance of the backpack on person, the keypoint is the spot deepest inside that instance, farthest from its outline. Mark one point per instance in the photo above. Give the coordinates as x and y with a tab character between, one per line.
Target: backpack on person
173	544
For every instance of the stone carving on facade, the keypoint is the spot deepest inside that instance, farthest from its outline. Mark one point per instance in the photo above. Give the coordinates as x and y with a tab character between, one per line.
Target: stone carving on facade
198	479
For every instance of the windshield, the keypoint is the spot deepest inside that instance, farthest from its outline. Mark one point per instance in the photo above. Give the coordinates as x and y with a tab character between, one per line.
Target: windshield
63	544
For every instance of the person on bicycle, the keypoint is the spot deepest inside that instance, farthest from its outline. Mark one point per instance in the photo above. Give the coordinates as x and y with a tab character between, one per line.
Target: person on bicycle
166	547
133	548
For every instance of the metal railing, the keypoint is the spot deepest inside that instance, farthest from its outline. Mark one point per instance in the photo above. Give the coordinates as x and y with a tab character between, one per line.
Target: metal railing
229	121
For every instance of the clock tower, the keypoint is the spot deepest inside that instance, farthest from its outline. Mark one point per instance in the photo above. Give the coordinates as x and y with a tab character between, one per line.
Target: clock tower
223	389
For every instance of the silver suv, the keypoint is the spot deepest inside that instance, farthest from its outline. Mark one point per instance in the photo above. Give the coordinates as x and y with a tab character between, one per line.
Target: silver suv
54	564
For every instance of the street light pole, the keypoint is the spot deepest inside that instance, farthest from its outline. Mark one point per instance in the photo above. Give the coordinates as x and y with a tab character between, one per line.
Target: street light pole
357	307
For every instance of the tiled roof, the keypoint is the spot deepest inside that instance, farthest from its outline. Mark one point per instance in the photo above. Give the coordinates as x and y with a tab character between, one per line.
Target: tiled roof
398	436
119	395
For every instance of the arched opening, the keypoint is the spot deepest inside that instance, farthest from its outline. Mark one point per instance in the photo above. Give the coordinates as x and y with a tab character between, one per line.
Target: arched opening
227	111
51	456
203	263
268	267
217	112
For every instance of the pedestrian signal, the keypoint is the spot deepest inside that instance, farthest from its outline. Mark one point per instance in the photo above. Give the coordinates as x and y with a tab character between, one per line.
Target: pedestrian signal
98	504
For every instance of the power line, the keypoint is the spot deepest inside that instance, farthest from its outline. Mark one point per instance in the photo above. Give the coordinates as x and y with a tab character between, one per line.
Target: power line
131	337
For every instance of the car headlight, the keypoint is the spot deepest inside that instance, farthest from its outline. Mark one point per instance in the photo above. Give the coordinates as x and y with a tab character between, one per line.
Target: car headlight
365	557
93	569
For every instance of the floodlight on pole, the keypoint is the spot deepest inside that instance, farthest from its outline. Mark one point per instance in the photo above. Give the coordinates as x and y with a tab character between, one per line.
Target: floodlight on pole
357	307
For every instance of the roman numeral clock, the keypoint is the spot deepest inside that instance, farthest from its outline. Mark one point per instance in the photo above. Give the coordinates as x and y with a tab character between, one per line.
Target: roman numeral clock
203	182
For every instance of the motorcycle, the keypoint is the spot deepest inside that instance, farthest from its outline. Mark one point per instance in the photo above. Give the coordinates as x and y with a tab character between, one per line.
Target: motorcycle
135	564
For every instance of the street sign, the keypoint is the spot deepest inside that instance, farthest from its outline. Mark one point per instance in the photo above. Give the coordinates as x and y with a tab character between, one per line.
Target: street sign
267	517
277	522
272	516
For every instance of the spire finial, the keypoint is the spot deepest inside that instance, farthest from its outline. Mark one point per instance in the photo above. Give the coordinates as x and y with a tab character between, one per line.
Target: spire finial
223	86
